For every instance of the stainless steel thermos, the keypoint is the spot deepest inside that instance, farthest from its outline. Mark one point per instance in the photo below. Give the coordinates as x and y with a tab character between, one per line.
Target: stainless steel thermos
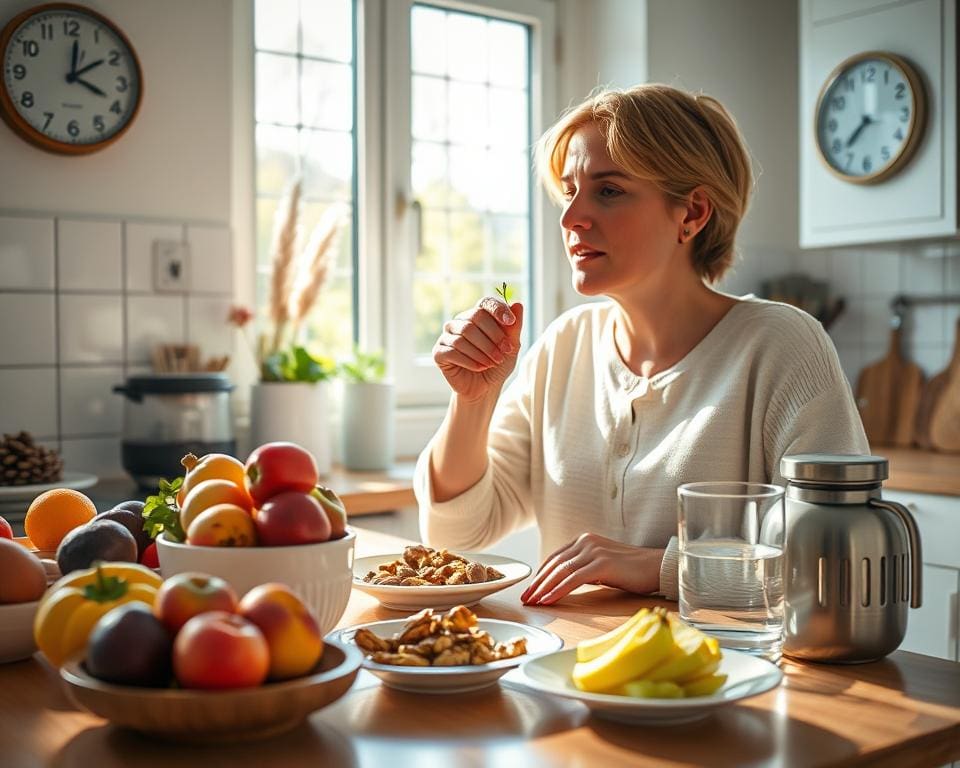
853	560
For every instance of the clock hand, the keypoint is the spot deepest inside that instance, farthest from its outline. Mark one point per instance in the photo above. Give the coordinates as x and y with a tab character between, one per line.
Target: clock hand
863	124
73	62
89	86
87	68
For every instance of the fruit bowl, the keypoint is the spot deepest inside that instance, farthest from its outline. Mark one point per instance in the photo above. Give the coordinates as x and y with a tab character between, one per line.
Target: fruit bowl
242	714
321	573
16	631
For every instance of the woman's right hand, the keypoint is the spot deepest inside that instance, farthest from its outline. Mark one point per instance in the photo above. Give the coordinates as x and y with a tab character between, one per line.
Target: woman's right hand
478	349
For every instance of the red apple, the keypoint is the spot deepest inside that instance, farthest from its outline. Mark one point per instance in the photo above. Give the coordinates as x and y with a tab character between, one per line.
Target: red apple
336	511
220	650
291	630
291	518
150	558
6	532
185	595
277	467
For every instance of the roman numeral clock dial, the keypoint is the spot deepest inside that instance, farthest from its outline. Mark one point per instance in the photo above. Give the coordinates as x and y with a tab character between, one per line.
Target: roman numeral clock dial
71	79
870	117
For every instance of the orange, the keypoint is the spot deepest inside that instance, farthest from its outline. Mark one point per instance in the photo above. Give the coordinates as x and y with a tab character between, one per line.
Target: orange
54	514
208	493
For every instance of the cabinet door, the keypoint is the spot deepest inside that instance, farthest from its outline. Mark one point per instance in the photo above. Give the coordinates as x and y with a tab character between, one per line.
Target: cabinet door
932	629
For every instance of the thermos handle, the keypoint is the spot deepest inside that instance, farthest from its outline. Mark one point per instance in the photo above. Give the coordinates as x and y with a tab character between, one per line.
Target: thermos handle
913	536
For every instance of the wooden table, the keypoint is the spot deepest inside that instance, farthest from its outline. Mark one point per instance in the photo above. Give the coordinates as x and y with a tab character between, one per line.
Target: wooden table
902	711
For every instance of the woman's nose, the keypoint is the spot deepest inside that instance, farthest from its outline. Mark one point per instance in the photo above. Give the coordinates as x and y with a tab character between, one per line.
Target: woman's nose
575	215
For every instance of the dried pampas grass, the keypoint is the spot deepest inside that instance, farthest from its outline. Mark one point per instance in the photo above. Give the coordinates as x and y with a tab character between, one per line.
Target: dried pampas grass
285	232
315	264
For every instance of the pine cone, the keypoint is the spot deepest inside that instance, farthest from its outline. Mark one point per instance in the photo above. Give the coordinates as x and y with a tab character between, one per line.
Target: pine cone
23	462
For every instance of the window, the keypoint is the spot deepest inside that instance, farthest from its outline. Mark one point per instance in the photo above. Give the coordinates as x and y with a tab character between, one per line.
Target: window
420	118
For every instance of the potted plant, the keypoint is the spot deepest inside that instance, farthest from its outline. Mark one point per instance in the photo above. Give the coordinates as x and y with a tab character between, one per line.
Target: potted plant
290	402
368	403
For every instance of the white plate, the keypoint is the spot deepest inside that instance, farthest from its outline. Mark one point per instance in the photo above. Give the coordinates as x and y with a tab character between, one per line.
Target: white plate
439	597
746	676
453	679
75	480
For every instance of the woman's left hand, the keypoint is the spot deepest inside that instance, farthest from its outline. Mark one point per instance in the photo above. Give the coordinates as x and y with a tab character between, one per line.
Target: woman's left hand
593	559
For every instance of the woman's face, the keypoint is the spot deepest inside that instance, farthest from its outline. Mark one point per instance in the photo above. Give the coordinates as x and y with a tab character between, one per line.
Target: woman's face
619	231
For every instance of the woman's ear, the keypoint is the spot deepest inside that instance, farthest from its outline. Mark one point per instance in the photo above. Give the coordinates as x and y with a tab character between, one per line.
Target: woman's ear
697	212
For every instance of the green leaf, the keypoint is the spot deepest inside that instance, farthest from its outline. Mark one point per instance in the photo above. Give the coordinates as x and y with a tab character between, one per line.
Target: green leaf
106	588
296	364
160	511
505	292
365	366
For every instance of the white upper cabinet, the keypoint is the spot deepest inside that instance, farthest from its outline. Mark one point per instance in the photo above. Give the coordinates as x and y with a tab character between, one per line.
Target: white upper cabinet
867	125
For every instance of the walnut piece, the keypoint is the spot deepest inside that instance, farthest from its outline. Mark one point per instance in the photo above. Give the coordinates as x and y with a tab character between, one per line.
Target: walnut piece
422	566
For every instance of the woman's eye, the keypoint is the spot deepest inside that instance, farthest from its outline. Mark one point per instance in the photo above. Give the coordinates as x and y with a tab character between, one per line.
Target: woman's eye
610	192
569	192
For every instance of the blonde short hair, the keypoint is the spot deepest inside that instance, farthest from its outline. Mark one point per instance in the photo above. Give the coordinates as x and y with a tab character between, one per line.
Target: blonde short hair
678	141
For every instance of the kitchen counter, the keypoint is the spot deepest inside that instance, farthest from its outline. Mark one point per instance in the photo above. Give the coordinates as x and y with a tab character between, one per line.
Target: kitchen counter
903	710
922	471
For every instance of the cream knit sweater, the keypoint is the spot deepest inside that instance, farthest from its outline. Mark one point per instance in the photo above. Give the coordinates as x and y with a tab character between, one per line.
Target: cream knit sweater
579	443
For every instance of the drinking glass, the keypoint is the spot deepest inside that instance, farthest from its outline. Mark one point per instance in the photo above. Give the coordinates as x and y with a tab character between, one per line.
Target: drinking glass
731	563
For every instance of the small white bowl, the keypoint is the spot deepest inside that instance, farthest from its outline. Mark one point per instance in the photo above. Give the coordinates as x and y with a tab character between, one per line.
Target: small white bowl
16	631
321	574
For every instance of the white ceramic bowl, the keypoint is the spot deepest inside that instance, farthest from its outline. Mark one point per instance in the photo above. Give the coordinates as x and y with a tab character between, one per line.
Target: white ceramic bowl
16	631
321	574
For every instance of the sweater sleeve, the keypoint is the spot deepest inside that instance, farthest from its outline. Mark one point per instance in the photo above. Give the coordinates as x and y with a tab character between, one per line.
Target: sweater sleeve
500	502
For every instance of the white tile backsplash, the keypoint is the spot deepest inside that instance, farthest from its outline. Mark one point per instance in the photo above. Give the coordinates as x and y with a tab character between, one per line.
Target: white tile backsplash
153	320
90	255
138	251
846	274
88	404
881	273
91	328
925	326
28	400
211	260
923	275
99	456
208	327
26	253
28	329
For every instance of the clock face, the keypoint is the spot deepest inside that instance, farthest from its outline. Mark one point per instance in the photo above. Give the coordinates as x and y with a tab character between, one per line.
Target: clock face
71	81
869	117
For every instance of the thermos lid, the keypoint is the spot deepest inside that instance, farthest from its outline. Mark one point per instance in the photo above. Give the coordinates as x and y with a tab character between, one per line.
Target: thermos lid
841	469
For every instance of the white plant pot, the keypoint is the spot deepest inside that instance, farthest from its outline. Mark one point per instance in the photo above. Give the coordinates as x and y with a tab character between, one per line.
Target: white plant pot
367	428
295	412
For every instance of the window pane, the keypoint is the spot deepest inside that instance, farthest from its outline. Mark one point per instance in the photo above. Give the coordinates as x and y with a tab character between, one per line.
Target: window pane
508	54
276	158
276	89
328	29
275	25
428	44
429	173
467	47
466	242
429	108
509	244
511	172
468	114
465	293
430	314
469	177
433	241
329	329
508	118
326	93
327	165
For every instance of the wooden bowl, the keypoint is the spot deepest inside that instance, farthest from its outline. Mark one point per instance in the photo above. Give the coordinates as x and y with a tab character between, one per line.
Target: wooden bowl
242	714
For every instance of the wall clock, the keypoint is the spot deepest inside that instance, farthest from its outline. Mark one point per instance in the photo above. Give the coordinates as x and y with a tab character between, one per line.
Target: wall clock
71	79
870	117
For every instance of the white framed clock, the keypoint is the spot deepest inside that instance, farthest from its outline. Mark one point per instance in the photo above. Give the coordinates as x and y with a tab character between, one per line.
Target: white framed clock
72	83
870	117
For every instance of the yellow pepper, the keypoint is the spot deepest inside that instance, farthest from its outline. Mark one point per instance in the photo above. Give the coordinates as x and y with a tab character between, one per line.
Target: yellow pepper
69	612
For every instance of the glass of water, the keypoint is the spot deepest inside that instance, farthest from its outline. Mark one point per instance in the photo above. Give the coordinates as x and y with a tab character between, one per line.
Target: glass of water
731	564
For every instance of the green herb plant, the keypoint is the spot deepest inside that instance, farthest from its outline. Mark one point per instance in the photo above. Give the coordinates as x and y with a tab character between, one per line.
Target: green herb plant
365	366
296	364
161	513
505	291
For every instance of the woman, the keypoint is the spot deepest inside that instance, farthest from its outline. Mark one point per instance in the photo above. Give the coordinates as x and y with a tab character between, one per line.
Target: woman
619	402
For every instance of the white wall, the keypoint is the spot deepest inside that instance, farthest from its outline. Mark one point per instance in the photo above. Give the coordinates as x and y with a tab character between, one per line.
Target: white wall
174	162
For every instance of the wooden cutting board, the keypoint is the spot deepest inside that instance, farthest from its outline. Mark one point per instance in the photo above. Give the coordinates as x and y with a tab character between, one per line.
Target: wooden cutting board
932	392
944	426
888	393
